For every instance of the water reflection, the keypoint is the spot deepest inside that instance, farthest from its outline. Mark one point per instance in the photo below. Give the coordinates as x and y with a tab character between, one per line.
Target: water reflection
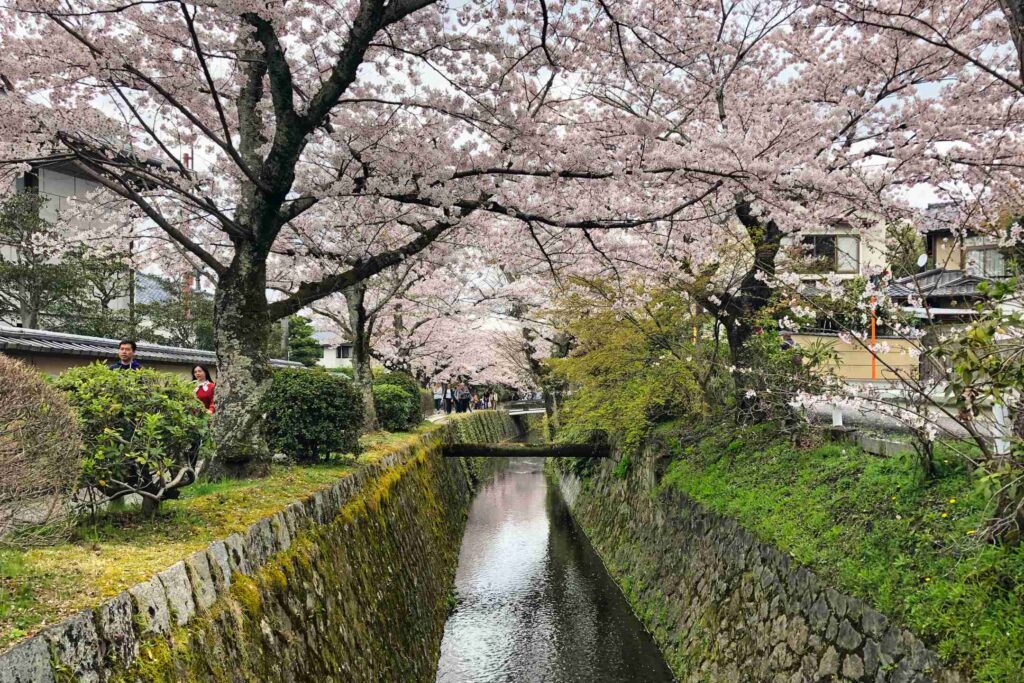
534	602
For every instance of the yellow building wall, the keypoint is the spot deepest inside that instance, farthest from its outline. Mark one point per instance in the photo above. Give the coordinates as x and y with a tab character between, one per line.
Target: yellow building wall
948	254
854	361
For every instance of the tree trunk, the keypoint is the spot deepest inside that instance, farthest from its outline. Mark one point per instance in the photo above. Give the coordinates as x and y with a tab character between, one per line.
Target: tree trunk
362	373
241	332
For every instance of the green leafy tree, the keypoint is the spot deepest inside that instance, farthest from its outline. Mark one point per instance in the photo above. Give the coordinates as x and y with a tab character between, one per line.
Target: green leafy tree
302	346
903	246
34	279
183	317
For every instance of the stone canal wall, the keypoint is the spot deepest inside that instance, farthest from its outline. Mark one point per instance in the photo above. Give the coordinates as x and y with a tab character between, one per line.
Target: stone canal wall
349	585
723	606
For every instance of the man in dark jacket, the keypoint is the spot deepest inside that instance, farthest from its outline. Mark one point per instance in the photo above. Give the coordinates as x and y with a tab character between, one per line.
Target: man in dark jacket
126	357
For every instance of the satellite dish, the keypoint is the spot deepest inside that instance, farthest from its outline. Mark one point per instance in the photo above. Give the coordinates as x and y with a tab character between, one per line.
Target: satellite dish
922	260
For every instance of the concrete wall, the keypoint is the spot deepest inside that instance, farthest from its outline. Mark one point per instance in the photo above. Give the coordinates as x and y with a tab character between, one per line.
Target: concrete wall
854	361
348	585
723	606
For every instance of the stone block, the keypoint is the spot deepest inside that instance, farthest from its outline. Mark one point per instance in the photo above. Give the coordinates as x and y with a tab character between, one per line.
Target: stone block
204	589
116	625
151	604
829	664
848	639
178	589
237	558
819	614
259	543
220	565
282	535
853	667
75	646
874	623
27	662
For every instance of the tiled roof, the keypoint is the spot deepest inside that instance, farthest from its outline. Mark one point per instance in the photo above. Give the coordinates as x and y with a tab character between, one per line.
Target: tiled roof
937	282
22	340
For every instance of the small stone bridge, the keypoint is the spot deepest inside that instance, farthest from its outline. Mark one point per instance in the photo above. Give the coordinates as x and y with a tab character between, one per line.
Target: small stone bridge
516	410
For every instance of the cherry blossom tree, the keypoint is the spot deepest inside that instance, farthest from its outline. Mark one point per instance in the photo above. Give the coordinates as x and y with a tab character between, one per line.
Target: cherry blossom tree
319	142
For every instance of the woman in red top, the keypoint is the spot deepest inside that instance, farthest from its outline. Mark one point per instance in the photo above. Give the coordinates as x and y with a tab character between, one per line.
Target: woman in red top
204	386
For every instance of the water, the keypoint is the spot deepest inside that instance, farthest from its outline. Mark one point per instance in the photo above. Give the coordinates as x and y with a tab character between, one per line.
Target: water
533	601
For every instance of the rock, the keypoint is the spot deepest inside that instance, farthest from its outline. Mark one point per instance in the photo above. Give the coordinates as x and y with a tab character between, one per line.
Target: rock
819	614
282	536
853	667
872	657
237	558
179	593
27	662
837	600
259	543
204	590
874	623
829	664
76	647
797	635
118	641
151	603
848	638
281	459
220	564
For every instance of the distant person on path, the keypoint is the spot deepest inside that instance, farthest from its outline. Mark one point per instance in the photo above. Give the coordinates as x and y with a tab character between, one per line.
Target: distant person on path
462	397
438	397
492	401
126	357
449	398
204	387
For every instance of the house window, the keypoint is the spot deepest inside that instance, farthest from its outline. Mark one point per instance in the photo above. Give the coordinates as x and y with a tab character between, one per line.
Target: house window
344	351
833	253
986	262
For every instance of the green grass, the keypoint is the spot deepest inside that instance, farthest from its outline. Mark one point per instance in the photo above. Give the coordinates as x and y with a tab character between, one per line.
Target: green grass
107	555
877	529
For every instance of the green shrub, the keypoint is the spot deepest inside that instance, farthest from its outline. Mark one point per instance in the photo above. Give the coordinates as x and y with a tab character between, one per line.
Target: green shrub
39	457
347	372
143	432
312	415
394	406
411	387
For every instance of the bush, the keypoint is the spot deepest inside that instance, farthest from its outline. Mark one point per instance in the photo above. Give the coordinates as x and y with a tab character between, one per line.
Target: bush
312	415
143	432
412	388
347	372
394	406
39	457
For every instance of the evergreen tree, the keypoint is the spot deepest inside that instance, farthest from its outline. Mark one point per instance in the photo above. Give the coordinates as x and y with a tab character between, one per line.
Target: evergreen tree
302	347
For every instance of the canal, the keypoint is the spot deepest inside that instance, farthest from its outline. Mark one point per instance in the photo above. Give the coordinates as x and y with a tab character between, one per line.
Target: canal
533	601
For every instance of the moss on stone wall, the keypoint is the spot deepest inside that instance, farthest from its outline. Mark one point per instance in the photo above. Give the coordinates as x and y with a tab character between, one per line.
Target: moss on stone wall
352	584
723	606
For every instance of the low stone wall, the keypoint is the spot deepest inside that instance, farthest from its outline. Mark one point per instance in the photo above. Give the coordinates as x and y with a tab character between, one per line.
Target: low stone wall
723	606
350	584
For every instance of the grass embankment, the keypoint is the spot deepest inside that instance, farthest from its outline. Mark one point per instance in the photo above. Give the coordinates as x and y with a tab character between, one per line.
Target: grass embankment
875	528
120	549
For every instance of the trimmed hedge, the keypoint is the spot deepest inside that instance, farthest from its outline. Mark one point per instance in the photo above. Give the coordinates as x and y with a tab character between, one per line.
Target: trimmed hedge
40	458
394	406
408	384
312	415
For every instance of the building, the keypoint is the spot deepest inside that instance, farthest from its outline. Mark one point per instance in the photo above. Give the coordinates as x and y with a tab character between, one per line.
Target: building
53	352
841	252
337	351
